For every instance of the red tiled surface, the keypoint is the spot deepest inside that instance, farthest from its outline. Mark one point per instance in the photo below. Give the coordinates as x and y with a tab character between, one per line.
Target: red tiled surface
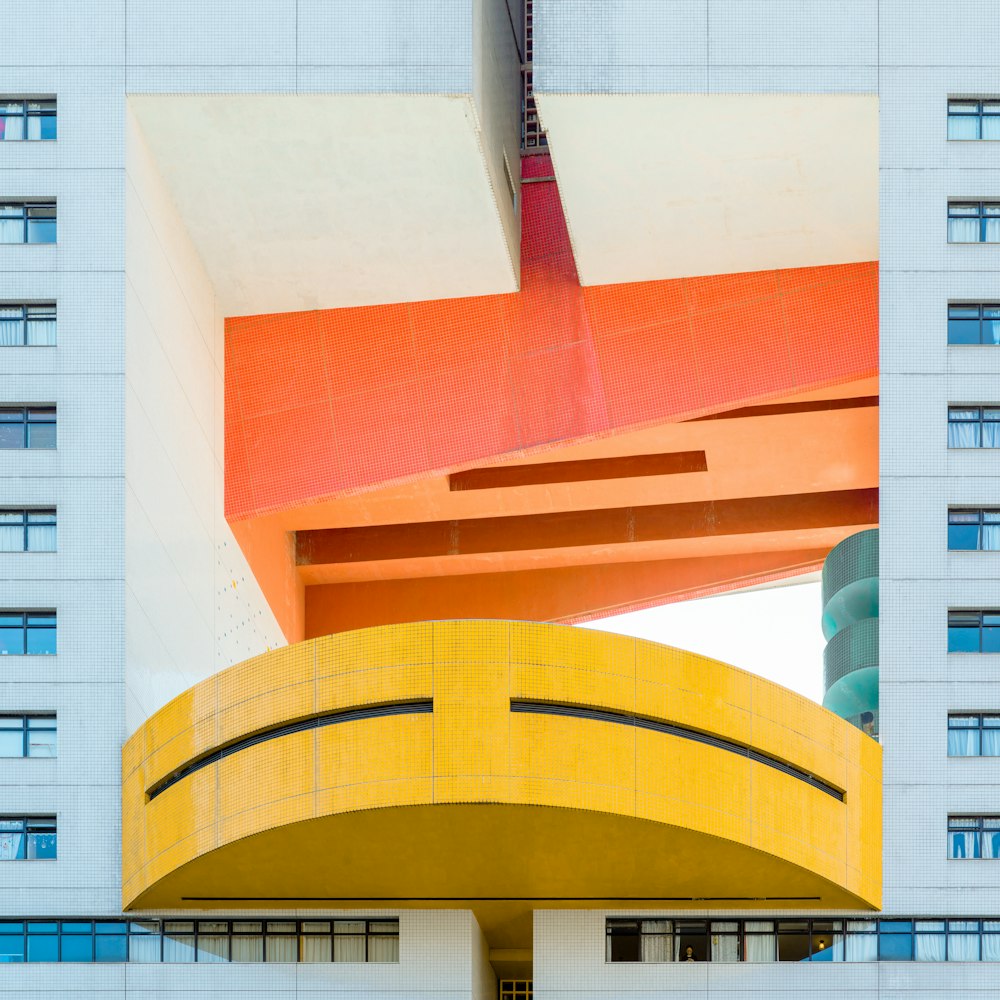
326	403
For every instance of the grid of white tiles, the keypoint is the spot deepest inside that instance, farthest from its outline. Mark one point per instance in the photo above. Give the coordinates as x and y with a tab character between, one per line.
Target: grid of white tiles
945	51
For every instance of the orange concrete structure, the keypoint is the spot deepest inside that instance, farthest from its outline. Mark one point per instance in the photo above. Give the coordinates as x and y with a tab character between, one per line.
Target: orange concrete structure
555	454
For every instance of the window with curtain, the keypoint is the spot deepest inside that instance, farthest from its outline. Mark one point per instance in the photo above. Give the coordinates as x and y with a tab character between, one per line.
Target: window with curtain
974	837
26	325
973	427
27	222
178	941
990	941
963	940
248	941
974	631
759	941
27	427
929	941
282	943
27	838
725	941
27	119
973	323
315	943
974	735
144	941
861	941
213	941
349	941
974	118
973	222
27	530
974	530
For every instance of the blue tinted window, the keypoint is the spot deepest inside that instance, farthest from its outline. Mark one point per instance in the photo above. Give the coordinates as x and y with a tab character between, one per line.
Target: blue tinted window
77	947
42	947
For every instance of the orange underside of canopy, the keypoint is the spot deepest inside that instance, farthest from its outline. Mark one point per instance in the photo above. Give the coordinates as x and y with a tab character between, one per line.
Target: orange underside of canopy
348	419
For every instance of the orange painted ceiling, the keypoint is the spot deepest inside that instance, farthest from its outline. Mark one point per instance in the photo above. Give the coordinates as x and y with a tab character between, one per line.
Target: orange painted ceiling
548	454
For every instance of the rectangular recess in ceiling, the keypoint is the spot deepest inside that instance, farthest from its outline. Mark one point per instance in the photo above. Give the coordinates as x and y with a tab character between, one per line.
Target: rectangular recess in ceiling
622	467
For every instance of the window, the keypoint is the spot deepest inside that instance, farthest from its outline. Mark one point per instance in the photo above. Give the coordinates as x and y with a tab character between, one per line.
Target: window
974	119
974	735
27	838
31	633
974	530
27	119
27	427
973	837
813	940
972	222
515	989
973	323
27	530
973	427
27	736
23	325
974	631
27	222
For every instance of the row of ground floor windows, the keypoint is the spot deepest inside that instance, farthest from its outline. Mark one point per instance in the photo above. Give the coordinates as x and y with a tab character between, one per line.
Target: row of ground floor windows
658	940
212	941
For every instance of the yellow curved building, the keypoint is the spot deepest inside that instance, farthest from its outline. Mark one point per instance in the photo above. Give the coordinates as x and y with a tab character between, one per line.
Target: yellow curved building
503	767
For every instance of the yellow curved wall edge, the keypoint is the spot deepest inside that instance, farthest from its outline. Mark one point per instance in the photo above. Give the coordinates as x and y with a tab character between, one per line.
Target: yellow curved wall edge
497	764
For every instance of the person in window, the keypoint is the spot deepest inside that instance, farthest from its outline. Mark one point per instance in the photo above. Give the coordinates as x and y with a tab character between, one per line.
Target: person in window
868	724
689	955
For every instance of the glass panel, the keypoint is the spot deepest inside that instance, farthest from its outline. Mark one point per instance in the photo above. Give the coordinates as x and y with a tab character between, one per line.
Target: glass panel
991	331
963	742
11	841
990	840
11	435
41	230
964	434
11	230
963	331
77	948
178	947
860	948
929	947
284	926
963	230
12	947
895	947
248	948
990	945
213	947
11	743
991	639
11	639
990	128
41	846
316	948
792	947
41	641
41	538
963	537
111	948
963	947
725	947
759	941
383	948
145	946
962	637
318	926
42	947
41	435
282	949
351	948
963	208
963	845
41	332
966	127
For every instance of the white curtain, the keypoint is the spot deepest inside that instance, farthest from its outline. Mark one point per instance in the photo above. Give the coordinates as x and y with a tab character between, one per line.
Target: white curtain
963	435
963	230
10	331
861	947
655	941
11	538
991	537
991	743
11	845
929	948
760	942
963	742
11	127
248	948
41	332
383	949
213	948
316	948
282	949
963	947
991	947
962	844
178	947
725	948
34	127
42	537
144	947
991	844
992	231
349	948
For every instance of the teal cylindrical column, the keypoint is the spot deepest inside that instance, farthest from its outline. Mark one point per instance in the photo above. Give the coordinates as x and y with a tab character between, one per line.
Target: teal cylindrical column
850	624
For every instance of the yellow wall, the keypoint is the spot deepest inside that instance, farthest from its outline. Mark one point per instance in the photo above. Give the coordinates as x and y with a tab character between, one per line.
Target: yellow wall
474	800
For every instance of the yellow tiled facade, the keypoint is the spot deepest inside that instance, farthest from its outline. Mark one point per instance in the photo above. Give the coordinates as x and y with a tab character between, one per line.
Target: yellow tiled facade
473	800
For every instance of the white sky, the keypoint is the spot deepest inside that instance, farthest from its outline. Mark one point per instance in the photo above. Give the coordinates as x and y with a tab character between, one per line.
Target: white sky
774	633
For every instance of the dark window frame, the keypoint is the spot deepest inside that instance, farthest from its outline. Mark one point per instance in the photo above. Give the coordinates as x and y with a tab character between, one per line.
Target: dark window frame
26	719
42	624
31	108
31	312
32	826
37	415
980	826
981	517
986	210
28	210
980	727
27	523
980	421
980	319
